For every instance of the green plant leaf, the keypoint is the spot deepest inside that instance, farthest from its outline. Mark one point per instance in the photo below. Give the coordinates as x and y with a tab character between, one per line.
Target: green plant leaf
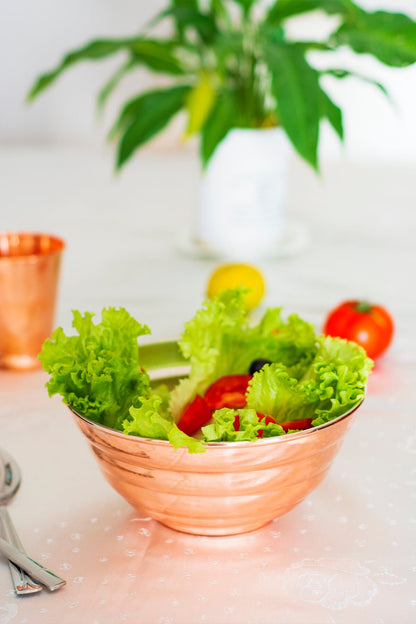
95	50
223	117
390	37
333	114
113	83
220	11
190	4
313	45
156	55
272	32
246	5
147	116
298	95
229	47
187	17
340	74
283	9
134	108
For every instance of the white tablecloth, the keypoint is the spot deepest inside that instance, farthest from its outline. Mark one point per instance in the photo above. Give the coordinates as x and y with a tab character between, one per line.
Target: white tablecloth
347	553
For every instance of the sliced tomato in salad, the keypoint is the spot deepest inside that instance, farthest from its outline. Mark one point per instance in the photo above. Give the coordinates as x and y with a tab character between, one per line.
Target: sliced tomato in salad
229	391
305	423
196	415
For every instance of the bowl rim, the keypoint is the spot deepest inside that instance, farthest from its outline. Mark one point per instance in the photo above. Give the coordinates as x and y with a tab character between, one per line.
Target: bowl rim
221	445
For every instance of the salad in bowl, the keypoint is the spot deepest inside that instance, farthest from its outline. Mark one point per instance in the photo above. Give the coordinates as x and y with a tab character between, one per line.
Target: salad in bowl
223	445
245	383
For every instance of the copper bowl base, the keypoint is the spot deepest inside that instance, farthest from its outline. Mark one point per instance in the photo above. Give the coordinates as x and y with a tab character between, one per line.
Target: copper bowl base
231	488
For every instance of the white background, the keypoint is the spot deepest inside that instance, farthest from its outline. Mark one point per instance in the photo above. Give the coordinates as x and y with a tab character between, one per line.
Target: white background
34	34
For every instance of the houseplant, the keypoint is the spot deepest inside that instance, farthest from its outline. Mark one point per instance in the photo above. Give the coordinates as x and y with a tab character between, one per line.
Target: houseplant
233	66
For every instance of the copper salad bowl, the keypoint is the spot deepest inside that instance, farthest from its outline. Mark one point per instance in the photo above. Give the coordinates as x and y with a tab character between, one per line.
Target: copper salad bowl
233	487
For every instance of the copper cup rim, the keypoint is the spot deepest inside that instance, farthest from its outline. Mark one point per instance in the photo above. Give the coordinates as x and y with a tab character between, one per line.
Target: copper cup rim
222	445
60	244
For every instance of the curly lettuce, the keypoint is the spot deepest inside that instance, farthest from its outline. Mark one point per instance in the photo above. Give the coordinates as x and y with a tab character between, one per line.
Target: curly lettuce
98	374
310	377
223	430
333	384
219	341
148	422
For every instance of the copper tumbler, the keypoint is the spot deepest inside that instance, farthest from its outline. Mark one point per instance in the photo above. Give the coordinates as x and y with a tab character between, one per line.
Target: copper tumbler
29	272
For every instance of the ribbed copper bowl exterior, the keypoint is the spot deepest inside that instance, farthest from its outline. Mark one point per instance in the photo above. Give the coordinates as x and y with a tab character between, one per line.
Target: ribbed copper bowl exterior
232	488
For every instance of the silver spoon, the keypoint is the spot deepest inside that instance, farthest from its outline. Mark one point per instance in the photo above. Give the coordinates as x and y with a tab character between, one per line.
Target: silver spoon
10	479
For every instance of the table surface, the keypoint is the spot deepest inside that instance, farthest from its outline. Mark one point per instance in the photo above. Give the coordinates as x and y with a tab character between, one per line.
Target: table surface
347	553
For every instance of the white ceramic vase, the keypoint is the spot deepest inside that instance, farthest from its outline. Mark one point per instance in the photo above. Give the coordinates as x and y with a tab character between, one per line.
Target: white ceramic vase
241	213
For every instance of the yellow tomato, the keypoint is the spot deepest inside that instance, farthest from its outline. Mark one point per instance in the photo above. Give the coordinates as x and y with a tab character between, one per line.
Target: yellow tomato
232	275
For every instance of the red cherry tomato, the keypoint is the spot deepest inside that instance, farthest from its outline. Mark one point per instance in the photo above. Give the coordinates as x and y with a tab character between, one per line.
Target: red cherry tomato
196	415
370	326
229	391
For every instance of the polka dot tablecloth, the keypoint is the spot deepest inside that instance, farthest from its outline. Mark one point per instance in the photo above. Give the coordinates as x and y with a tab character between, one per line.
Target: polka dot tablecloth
346	554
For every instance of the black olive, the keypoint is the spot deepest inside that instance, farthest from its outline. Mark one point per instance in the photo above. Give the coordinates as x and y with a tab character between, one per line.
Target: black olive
257	365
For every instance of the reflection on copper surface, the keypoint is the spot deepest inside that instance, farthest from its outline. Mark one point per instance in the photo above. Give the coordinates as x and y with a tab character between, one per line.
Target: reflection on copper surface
29	272
232	488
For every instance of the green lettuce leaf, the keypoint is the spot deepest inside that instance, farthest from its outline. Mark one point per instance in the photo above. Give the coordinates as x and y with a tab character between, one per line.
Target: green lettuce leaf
202	343
146	421
219	341
163	392
273	392
97	372
342	367
332	385
222	429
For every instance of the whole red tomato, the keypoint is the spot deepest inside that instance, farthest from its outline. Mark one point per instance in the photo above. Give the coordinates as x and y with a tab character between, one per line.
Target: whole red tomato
371	326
